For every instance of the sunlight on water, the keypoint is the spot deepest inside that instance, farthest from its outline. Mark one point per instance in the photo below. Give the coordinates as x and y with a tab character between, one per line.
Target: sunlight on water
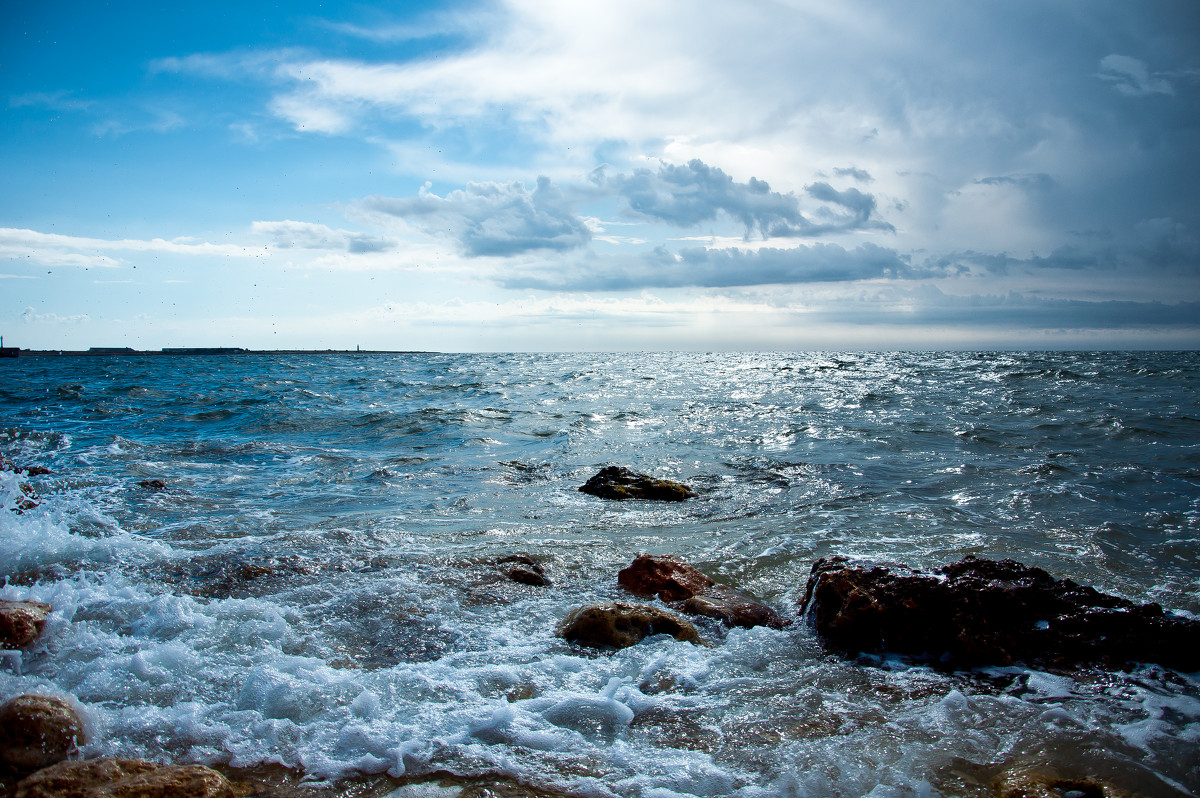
316	582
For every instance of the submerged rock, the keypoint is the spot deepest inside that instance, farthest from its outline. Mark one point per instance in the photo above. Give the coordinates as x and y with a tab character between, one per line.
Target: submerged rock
525	569
125	778
989	612
616	482
152	484
1027	783
37	730
619	625
684	587
22	622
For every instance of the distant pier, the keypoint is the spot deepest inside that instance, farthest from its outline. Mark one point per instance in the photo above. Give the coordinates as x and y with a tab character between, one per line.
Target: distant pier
125	351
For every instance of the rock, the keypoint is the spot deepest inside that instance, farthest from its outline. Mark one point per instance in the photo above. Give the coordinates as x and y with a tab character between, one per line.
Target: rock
22	622
733	608
152	484
988	612
29	471
669	578
618	625
528	576
36	731
125	778
681	585
27	500
525	569
615	482
1025	783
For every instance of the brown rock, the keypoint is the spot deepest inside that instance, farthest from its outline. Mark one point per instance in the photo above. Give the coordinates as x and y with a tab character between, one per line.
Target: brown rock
36	731
616	482
733	608
978	612
669	578
22	622
680	584
76	779
618	625
125	778
30	471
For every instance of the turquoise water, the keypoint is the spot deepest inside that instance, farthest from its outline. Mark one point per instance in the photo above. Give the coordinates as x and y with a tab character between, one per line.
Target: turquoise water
316	583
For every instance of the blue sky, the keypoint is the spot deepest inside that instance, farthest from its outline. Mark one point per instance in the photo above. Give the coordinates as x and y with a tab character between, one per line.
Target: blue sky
640	175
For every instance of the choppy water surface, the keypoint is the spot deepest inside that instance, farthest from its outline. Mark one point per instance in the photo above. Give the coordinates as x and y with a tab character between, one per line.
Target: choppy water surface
315	586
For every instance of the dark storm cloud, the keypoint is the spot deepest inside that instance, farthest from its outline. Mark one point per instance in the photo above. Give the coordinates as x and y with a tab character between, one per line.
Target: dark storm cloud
1155	248
695	193
494	218
722	268
927	306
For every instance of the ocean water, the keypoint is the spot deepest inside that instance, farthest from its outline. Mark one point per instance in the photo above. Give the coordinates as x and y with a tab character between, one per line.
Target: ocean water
316	584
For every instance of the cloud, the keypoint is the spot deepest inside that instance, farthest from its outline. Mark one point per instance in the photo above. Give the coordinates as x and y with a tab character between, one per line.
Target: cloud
1131	77
54	249
31	316
719	268
494	218
1037	182
688	195
288	234
1157	247
861	175
694	193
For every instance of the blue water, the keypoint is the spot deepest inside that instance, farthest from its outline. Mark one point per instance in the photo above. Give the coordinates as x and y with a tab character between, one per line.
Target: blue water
316	584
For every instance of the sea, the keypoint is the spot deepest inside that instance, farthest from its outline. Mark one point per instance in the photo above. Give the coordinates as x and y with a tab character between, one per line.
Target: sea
296	560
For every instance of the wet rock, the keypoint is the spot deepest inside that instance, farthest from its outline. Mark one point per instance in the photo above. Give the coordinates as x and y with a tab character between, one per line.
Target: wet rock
22	622
1048	784
733	608
687	589
619	625
524	569
528	576
988	612
125	778
37	730
669	578
26	500
29	471
152	484
616	482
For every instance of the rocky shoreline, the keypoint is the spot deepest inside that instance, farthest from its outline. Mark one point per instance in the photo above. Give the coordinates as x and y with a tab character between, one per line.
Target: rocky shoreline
972	613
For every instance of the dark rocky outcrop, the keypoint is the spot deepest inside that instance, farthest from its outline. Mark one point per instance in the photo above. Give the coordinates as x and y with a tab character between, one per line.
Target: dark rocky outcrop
126	778
22	622
687	589
152	484
619	625
37	730
989	612
616	482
